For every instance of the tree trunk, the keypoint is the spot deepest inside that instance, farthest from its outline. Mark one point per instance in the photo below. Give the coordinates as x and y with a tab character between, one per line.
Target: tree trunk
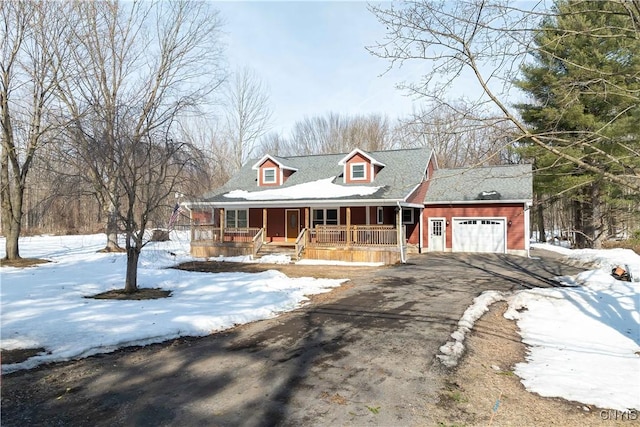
12	220
542	236
112	230
598	226
580	241
131	281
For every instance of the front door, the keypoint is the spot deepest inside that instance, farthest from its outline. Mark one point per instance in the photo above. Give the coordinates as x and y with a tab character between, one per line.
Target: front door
436	235
293	224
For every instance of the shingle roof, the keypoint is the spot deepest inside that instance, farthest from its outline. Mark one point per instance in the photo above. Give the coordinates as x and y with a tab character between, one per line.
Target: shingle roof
508	182
403	171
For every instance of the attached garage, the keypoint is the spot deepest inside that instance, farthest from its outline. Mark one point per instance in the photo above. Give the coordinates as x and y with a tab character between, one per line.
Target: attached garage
479	235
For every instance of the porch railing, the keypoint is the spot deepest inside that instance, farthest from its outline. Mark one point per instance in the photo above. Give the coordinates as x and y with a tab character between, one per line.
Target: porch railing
257	241
356	235
301	242
212	233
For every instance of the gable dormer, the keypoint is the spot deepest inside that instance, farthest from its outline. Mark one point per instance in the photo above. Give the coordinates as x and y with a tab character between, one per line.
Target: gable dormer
272	172
359	167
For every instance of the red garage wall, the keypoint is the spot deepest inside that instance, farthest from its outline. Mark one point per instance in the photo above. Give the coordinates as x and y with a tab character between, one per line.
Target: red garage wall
512	212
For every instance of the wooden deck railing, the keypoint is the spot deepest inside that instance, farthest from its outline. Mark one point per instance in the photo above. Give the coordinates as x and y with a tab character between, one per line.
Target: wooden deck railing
357	235
301	242
211	233
257	241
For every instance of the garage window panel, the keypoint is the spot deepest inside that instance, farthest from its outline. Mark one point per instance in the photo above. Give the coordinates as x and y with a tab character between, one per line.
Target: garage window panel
479	235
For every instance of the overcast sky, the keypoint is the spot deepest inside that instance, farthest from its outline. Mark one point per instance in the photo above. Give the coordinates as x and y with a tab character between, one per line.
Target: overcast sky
312	58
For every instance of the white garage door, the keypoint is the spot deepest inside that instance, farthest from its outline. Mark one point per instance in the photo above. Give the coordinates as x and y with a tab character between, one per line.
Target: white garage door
479	235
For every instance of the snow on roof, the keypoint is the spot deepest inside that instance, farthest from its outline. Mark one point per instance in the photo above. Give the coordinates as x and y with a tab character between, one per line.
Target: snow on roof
320	189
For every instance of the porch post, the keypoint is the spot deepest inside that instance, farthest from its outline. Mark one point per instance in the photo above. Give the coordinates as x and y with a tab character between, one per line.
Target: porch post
348	226
399	224
222	218
306	218
264	224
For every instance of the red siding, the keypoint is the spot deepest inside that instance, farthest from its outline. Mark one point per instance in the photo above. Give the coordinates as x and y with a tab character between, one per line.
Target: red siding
265	165
358	216
512	212
202	217
357	158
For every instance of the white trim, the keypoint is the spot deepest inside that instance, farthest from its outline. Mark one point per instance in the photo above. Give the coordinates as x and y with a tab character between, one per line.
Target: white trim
235	225
324	214
364	171
527	225
379	210
481	218
275	176
304	202
410	210
367	214
477	202
421	229
355	151
266	157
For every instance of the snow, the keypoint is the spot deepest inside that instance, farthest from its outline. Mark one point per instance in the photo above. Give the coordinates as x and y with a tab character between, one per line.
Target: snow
583	340
46	305
321	189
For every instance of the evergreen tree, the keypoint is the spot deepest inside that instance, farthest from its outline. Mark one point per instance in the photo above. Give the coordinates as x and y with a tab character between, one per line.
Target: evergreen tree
585	89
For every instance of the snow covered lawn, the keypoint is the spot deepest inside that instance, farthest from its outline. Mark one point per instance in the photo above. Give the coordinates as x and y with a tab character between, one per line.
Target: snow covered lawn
45	306
583	339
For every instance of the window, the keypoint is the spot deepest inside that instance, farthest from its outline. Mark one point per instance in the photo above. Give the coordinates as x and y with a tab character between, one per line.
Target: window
436	228
407	216
237	218
358	171
269	175
325	217
380	215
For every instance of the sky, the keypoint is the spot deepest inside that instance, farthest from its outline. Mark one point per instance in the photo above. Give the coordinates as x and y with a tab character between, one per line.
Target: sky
313	60
592	359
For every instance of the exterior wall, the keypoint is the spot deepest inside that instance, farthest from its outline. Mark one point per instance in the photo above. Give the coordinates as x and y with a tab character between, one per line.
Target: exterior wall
419	194
358	216
286	174
413	230
202	217
266	165
275	224
513	213
357	158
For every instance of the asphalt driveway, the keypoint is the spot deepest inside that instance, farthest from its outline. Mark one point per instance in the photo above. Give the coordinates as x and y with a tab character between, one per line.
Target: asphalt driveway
366	357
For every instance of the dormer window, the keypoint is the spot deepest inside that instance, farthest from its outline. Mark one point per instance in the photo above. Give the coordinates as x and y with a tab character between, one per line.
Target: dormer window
359	167
272	171
358	171
269	175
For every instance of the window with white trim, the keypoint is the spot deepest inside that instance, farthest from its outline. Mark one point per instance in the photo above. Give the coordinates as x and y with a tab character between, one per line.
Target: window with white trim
358	171
269	175
407	216
325	217
237	218
380	215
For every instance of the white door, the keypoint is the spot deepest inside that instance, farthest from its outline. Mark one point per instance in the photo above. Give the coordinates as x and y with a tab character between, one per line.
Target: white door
479	235
436	235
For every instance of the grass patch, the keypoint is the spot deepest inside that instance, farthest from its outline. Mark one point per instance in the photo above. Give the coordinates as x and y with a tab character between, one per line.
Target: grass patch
141	294
22	262
633	244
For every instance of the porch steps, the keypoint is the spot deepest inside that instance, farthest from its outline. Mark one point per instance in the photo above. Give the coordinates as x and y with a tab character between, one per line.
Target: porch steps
277	249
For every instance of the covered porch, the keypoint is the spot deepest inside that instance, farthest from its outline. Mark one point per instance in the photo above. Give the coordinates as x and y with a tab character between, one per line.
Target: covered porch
335	234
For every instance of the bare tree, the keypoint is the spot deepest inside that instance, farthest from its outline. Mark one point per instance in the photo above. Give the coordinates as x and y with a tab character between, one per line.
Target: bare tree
144	63
456	139
30	33
335	133
248	115
487	42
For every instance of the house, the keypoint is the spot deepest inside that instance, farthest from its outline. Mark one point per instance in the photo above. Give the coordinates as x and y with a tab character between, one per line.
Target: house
363	206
